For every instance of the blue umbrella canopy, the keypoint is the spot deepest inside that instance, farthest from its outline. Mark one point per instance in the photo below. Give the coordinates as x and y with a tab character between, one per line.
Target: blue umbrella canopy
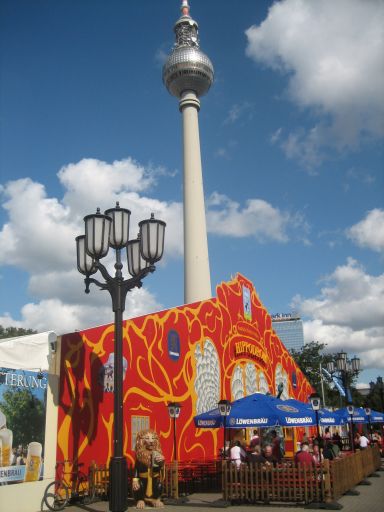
377	417
359	415
327	418
260	410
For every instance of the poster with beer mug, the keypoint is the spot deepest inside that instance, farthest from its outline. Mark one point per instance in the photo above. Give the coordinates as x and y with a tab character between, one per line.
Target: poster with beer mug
22	425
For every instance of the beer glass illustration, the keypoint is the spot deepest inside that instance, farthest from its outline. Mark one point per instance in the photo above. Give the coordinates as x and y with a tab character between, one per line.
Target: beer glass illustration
6	438
33	465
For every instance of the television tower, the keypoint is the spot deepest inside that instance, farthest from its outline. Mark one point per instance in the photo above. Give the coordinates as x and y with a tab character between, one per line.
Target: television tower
188	74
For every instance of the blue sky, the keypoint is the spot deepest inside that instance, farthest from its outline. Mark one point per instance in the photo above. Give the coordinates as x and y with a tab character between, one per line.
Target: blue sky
292	151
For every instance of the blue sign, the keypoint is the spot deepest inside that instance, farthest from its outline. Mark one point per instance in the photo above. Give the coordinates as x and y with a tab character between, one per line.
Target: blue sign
174	345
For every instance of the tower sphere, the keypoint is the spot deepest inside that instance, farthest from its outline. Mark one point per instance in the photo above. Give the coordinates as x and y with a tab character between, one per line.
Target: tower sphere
187	68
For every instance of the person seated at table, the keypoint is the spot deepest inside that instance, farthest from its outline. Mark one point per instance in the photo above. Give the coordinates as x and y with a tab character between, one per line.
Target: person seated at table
330	449
316	454
363	442
268	455
237	453
276	446
303	456
376	438
336	439
255	439
327	433
255	457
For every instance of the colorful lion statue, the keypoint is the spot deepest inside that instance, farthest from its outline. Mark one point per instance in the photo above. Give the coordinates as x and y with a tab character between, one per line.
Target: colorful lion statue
147	482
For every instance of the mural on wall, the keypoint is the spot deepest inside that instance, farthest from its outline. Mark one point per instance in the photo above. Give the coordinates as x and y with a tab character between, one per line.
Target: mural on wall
195	354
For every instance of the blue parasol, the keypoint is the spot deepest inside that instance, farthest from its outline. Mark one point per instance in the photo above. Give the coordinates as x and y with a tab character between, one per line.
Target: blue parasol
359	415
260	410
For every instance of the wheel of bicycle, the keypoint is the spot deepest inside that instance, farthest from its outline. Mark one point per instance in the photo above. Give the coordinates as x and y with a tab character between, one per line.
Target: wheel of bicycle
56	496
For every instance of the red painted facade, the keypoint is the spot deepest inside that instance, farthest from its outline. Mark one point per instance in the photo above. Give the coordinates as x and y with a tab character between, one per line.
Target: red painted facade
194	354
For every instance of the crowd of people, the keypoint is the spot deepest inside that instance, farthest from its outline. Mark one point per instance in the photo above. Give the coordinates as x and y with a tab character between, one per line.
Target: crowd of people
270	450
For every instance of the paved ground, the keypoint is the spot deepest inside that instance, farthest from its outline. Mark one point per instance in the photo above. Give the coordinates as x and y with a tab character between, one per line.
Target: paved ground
370	499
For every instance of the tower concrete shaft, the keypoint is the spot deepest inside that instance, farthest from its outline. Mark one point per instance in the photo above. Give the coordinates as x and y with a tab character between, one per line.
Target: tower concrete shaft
188	74
197	278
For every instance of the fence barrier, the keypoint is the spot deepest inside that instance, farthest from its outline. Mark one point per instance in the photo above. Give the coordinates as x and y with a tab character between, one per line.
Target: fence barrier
326	482
254	483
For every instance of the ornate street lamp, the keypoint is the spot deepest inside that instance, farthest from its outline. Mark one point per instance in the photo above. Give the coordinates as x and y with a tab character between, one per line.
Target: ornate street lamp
355	363
346	368
174	410
351	410
103	231
224	409
341	361
315	404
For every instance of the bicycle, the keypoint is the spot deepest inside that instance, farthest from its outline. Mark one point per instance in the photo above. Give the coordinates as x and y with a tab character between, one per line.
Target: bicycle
69	485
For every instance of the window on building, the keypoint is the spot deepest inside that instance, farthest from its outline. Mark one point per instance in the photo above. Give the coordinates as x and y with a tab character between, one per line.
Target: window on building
138	423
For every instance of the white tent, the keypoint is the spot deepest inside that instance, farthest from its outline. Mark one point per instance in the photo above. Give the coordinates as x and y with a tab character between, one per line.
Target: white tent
27	352
33	353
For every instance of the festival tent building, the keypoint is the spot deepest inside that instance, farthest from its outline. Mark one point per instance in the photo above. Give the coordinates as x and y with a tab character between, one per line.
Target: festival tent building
195	355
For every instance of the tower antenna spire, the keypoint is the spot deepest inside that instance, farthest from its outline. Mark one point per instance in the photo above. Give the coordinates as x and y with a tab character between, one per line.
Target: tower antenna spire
184	8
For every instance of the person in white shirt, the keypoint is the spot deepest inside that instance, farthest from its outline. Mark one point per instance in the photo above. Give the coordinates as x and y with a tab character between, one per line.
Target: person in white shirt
237	454
363	442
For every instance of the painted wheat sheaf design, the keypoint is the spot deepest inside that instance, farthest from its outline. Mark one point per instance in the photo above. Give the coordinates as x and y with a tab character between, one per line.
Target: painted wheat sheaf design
207	383
237	384
281	377
250	379
263	384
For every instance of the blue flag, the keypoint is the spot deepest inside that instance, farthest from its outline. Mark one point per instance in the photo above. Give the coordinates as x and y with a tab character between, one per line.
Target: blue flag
338	383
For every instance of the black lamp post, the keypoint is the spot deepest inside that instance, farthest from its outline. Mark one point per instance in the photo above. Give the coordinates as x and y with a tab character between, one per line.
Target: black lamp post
351	410
315	403
368	413
103	231
174	410
224	409
380	384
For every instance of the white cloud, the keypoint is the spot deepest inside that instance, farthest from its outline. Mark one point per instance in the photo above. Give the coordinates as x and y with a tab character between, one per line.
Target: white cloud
39	238
222	153
257	219
239	110
348	313
369	232
332	53
62	317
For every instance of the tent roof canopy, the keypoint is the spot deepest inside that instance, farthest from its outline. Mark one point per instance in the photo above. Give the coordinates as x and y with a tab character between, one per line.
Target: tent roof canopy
27	352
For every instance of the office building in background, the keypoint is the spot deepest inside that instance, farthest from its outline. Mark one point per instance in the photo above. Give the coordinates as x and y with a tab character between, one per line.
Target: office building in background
289	328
